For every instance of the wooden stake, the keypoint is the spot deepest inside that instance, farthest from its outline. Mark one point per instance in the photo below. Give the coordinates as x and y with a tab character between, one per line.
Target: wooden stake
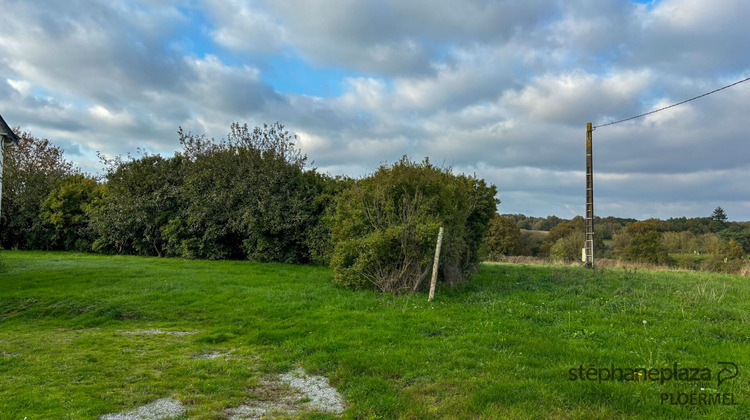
435	265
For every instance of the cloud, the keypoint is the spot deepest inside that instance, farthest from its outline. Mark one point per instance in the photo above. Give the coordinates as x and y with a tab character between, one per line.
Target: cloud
500	88
244	28
574	97
116	119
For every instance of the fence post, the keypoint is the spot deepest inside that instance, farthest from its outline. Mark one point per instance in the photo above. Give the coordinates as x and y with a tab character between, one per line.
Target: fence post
435	264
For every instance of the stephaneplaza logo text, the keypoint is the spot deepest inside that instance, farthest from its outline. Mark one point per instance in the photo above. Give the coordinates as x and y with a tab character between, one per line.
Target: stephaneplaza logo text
728	370
724	372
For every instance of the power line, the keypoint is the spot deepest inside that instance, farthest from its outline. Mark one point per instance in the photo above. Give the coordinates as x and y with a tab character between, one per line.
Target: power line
673	105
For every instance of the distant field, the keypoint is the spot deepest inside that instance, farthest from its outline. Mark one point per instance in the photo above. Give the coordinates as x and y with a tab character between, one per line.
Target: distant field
543	232
83	335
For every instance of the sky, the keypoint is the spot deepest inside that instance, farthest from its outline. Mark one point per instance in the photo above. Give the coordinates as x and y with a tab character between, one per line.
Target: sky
500	89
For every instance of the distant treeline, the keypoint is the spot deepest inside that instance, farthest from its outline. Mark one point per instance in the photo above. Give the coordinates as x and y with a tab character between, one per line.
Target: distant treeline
711	243
606	226
249	196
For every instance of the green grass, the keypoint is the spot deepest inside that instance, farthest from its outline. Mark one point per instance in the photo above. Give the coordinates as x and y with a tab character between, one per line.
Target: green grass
499	347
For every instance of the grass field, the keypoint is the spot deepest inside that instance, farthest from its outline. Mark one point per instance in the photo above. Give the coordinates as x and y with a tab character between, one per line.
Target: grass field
74	341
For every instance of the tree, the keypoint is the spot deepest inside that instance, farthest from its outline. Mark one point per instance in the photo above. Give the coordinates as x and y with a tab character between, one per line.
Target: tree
739	233
672	242
250	196
548	223
621	241
647	248
560	231
568	248
531	241
139	199
718	220
712	244
66	211
719	215
687	240
567	228
729	259
735	251
698	225
646	226
503	237
30	173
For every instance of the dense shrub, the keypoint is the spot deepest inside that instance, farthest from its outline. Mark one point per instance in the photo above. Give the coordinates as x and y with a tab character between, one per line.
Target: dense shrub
250	196
65	213
386	225
138	201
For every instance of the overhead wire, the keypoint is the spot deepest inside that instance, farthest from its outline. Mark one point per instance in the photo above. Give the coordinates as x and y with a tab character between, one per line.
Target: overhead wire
671	106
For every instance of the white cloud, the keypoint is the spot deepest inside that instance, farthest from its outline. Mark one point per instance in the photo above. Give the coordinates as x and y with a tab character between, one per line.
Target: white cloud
245	28
365	93
310	143
111	118
500	88
572	97
21	86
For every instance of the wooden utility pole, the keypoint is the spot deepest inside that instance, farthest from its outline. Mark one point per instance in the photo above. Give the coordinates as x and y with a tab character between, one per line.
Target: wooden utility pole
435	265
589	245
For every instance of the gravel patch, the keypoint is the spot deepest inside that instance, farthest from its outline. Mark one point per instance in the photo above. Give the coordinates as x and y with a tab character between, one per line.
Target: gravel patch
207	356
158	332
258	411
165	408
290	394
323	397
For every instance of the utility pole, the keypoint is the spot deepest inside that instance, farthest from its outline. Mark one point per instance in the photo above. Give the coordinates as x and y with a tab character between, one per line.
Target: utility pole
589	245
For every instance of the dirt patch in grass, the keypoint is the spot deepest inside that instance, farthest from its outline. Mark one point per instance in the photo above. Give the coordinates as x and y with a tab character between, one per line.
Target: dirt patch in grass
158	332
165	408
208	356
289	394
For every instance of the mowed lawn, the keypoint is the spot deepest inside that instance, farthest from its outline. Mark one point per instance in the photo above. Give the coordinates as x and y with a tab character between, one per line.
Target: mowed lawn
76	341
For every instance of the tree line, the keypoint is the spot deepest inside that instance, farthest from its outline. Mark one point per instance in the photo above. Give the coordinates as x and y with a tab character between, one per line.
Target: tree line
250	195
710	243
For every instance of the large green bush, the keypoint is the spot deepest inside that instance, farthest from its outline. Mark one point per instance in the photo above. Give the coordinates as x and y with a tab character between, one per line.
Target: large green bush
248	196
386	225
251	196
65	213
139	199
